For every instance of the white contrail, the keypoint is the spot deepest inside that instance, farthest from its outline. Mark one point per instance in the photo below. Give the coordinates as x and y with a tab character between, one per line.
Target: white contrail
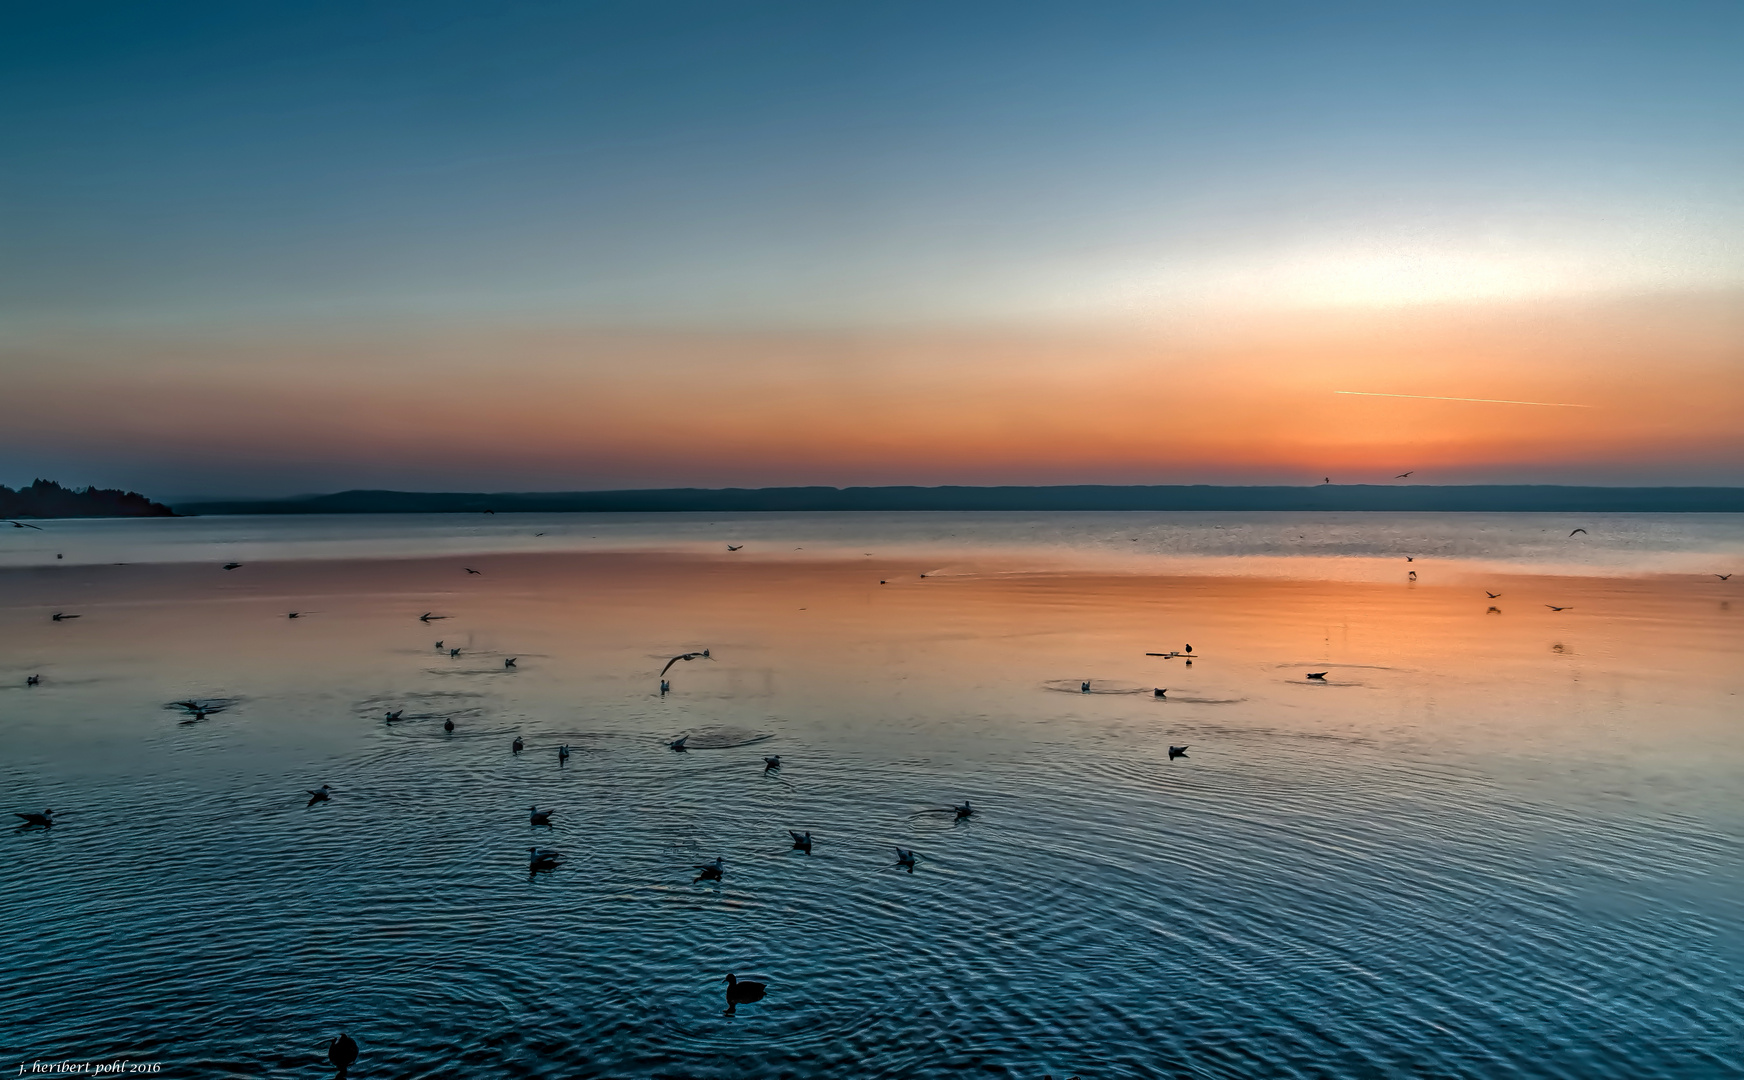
1485	400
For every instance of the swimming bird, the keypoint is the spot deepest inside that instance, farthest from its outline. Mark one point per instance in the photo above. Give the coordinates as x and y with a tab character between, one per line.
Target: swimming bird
232	565
734	547
1159	692
430	616
452	653
1412	575
1084	687
43	820
342	1052
61	615
1189	663
963	811
665	688
293	614
1578	531
23	525
772	763
562	753
32	680
905	859
395	715
536	816
881	581
510	662
1321	675
470	570
801	841
517	746
318	795
1403	475
678	743
1492	595
740	993
1553	607
684	656
541	859
1177	751
710	871
448	726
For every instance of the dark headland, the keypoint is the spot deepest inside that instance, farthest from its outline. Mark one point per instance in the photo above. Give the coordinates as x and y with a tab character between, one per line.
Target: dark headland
48	499
1477	498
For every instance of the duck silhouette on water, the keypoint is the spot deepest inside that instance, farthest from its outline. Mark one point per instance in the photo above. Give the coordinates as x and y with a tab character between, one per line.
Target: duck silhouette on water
394	715
678	743
44	820
536	816
541	860
448	726
320	794
963	811
1177	751
772	763
563	753
740	993
342	1052
710	871
801	841
905	859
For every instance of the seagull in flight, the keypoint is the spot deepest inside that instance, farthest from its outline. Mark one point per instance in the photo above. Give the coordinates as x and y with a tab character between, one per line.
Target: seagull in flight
470	570
1578	531
685	656
232	565
1723	577
61	615
1403	475
23	525
1553	607
430	617
1492	595
734	547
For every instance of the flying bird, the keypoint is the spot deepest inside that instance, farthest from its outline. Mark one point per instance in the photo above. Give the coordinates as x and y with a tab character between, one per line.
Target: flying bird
470	570
23	525
342	1052
1412	575
430	616
1493	610
61	615
439	644
801	841
318	795
43	820
1553	607
1492	595
734	547
685	656
1403	475
709	871
1321	675
1578	531
1159	692
1723	577
452	653
510	662
232	565
1177	751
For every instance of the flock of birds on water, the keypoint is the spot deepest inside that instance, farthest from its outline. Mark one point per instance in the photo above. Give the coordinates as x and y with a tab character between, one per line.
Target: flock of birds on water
343	1051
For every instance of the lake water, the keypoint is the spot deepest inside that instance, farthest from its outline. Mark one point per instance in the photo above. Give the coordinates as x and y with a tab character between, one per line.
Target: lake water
1490	843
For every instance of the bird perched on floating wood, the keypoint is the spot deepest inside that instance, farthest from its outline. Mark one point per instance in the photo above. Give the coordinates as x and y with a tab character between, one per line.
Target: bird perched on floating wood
1159	692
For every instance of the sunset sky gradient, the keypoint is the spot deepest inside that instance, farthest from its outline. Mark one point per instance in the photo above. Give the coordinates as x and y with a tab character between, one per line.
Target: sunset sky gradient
277	248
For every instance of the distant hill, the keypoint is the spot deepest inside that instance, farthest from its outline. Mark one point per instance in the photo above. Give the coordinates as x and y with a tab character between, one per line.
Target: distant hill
47	499
1488	498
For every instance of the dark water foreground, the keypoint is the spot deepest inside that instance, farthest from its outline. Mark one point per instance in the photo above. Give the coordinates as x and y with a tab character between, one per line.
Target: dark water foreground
1491	845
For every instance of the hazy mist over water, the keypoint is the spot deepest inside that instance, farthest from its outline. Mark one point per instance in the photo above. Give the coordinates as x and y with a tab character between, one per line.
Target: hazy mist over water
1498	840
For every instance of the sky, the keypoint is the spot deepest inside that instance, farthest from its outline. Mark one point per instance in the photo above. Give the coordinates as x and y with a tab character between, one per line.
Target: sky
266	249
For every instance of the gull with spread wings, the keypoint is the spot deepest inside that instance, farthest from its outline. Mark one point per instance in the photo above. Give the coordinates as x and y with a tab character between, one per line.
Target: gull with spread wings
685	656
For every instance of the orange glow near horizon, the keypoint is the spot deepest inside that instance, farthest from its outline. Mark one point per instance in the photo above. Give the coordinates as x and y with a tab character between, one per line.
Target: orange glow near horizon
1217	403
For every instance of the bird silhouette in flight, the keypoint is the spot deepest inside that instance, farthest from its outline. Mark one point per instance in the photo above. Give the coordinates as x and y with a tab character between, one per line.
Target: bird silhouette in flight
1553	607
734	547
1403	475
430	616
61	616
1492	595
232	565
704	655
1578	531
470	570
1723	577
510	662
23	525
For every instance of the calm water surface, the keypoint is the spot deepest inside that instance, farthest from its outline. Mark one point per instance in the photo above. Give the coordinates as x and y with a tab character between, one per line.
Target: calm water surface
1491	844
